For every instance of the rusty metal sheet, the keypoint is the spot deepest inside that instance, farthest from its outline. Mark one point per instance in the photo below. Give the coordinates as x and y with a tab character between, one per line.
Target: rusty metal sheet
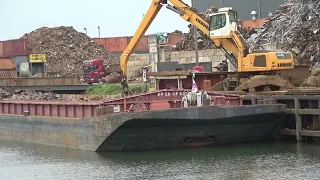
16	47
6	63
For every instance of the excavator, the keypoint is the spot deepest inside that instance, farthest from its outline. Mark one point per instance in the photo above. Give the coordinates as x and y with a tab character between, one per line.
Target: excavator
254	71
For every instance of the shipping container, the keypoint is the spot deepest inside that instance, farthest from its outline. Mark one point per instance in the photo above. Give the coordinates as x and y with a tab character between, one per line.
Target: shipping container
174	38
119	44
6	63
1	50
101	41
116	44
16	47
142	45
7	68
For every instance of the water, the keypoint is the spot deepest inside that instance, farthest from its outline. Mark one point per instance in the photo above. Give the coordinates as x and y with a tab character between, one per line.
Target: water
19	161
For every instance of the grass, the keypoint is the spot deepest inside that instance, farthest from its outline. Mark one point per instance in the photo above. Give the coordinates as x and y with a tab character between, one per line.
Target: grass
111	89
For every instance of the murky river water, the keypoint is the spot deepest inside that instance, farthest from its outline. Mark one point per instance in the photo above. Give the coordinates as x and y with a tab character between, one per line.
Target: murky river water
20	161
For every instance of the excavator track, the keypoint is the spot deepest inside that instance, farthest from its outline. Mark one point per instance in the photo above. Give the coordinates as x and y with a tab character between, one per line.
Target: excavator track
257	83
260	82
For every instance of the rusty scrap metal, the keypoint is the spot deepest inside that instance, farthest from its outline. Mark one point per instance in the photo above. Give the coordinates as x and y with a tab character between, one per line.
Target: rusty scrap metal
114	77
12	94
294	24
66	49
204	42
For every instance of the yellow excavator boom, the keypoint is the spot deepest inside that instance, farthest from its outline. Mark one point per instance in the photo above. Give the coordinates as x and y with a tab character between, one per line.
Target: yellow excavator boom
233	45
177	6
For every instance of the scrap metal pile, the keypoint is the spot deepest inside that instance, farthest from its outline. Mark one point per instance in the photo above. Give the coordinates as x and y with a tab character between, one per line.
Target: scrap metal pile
66	49
10	93
114	77
296	26
313	80
204	42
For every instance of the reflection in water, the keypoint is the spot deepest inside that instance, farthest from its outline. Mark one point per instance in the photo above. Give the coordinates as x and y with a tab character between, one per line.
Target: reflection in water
250	161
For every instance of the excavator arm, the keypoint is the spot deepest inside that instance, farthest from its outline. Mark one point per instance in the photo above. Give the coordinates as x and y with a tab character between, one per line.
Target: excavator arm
143	27
227	44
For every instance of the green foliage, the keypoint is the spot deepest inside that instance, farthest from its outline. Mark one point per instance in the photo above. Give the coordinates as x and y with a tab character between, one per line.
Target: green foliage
111	89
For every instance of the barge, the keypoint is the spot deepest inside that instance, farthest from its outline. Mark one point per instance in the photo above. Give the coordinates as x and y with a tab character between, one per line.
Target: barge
156	120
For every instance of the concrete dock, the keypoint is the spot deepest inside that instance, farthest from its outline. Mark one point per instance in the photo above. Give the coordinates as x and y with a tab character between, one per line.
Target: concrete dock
303	113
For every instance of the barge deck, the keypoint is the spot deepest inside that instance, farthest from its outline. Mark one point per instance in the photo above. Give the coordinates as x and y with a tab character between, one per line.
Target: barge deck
156	120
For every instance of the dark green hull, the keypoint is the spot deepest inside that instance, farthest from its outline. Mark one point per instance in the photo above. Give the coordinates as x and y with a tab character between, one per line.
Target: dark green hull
141	134
164	129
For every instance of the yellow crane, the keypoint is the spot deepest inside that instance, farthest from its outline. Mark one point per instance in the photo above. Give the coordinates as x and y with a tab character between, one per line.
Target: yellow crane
259	67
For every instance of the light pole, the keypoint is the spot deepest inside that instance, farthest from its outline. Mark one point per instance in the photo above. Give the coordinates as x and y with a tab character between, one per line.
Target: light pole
259	3
85	30
222	4
195	30
99	31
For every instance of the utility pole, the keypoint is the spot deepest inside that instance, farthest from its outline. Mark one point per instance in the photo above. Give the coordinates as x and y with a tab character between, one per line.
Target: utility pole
195	30
99	31
86	30
259	4
222	4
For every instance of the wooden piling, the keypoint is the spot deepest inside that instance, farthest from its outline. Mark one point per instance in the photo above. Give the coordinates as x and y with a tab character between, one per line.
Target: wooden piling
298	118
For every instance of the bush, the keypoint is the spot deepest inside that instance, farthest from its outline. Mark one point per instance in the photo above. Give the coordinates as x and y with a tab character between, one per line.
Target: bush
110	89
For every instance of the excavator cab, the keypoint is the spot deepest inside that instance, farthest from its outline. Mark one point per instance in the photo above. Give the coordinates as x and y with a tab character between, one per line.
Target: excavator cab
223	22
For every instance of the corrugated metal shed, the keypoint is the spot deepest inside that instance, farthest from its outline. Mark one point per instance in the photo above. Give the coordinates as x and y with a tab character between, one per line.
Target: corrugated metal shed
6	63
16	47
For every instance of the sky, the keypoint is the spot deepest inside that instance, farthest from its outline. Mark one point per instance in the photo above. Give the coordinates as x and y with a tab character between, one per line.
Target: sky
115	17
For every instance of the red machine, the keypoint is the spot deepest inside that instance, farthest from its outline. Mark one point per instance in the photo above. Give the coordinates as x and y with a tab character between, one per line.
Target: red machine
94	70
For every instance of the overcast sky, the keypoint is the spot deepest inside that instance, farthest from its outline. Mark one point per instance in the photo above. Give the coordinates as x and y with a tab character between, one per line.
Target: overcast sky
115	17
